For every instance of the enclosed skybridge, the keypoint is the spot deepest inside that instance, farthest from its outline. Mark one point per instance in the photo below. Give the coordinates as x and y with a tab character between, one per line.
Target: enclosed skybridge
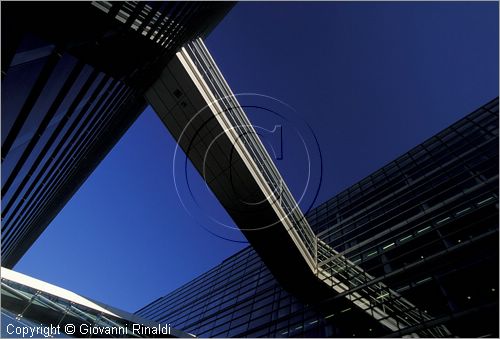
197	106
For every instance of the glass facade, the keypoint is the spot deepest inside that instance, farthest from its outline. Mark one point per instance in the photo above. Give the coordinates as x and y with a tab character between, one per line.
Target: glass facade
66	123
241	298
425	225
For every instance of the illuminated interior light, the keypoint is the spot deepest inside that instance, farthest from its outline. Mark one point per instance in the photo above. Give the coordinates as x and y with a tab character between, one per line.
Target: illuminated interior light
463	211
329	316
443	220
383	296
423	280
405	238
423	229
485	200
387	246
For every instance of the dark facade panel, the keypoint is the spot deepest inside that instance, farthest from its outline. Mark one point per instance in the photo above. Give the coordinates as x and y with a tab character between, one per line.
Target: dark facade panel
241	298
426	225
73	80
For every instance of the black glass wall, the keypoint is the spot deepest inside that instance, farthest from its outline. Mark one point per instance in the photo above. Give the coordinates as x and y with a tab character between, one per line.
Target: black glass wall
241	298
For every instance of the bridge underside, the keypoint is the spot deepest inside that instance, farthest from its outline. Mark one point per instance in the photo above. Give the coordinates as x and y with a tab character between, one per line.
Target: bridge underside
215	149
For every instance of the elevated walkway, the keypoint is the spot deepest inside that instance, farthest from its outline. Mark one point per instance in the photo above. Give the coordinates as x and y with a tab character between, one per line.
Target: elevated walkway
197	106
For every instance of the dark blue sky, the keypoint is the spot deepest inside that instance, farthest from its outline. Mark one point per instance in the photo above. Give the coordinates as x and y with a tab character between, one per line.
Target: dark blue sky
371	79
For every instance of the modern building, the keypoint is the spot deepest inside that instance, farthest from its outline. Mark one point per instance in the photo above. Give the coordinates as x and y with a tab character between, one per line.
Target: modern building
69	94
198	107
426	225
376	260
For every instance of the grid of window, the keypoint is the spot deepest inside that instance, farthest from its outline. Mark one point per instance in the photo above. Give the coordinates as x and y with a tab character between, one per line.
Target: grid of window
421	223
464	148
241	298
307	241
25	306
163	23
450	176
424	217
